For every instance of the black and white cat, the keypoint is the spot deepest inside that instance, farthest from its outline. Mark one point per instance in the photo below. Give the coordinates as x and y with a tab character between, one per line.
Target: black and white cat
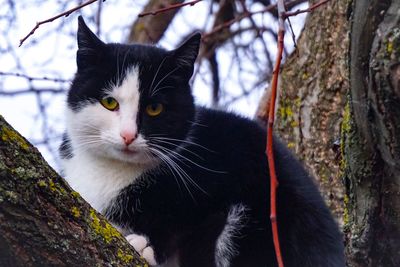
187	185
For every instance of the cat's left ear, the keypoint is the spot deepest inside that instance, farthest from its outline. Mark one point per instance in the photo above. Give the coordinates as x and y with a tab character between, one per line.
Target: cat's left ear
185	55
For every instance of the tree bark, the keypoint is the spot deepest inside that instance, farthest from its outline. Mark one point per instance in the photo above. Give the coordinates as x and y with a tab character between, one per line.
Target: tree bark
312	96
150	29
345	84
45	223
371	135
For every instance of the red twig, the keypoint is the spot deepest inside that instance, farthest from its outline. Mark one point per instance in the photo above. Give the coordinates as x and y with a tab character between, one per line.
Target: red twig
271	116
164	9
269	148
65	13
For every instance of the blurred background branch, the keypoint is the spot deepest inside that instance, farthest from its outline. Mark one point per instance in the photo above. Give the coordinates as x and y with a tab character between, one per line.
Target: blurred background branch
233	68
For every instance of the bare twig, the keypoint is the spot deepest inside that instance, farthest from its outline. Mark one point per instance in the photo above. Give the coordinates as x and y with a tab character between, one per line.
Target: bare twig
98	17
171	7
30	78
31	90
246	14
293	35
269	148
282	15
65	13
311	8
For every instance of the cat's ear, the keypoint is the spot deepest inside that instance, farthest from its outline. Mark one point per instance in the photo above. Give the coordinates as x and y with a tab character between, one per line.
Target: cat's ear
185	55
89	46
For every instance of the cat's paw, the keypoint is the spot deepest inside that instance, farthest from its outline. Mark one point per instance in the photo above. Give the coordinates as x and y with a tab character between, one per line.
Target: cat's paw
141	244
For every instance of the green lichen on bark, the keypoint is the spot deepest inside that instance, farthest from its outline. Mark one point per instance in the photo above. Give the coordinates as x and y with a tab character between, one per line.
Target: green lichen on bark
392	44
103	228
43	222
348	139
9	135
313	88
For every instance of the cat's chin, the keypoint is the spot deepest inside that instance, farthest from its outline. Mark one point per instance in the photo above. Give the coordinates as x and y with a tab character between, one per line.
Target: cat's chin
130	156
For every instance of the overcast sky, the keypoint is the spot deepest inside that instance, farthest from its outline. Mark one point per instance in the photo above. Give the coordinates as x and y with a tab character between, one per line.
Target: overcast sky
51	53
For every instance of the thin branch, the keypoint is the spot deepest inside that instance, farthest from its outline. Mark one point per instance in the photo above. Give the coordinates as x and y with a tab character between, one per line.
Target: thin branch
269	148
98	17
269	8
30	78
65	13
311	8
282	15
293	36
31	90
171	7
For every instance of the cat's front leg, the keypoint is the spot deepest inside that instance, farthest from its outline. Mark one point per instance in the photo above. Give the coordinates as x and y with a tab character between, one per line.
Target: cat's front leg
142	245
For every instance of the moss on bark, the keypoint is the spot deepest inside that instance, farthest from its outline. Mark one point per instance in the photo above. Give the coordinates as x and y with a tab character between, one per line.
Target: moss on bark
43	222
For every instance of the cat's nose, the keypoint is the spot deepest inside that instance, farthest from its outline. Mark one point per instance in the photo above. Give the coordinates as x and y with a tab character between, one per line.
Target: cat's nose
128	137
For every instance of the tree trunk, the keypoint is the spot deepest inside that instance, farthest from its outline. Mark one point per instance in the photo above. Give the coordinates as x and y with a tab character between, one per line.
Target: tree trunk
43	222
344	84
371	135
312	95
150	29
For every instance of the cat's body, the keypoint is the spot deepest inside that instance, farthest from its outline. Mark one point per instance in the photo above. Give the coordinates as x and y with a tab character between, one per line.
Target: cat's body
191	183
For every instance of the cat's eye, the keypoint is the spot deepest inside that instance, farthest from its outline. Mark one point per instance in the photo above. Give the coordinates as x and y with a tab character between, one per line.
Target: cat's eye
109	103
154	109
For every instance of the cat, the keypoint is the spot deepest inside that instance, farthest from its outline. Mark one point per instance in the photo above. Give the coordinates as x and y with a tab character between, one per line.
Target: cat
188	186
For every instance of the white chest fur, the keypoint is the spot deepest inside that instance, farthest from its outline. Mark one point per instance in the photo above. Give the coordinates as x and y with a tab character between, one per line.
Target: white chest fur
99	180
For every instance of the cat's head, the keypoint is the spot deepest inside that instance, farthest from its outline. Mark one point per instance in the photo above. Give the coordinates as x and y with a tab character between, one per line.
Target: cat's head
125	96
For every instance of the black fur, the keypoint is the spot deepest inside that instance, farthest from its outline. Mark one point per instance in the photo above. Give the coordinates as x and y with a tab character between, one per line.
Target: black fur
65	148
224	155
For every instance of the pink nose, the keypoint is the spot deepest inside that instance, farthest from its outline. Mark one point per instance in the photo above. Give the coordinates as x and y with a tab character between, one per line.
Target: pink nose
128	137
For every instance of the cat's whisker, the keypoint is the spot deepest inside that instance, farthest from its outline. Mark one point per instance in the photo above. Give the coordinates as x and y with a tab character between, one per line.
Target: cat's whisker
172	166
185	141
189	160
165	77
197	123
183	171
118	74
86	144
177	146
178	170
125	56
155	76
159	89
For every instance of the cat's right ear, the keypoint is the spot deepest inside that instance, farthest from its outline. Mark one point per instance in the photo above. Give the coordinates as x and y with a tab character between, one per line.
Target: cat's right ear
89	46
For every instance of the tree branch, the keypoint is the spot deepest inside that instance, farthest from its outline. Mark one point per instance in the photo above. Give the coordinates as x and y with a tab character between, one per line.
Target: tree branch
43	222
168	8
31	78
66	13
150	29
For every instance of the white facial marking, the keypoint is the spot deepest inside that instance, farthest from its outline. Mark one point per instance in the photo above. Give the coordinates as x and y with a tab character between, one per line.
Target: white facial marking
225	247
111	134
109	154
128	96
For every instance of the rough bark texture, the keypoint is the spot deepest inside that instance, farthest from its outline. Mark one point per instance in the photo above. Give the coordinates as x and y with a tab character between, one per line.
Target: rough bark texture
43	222
371	135
345	85
150	29
312	95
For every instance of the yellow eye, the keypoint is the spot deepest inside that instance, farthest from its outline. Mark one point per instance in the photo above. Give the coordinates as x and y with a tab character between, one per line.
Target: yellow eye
109	103
154	109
